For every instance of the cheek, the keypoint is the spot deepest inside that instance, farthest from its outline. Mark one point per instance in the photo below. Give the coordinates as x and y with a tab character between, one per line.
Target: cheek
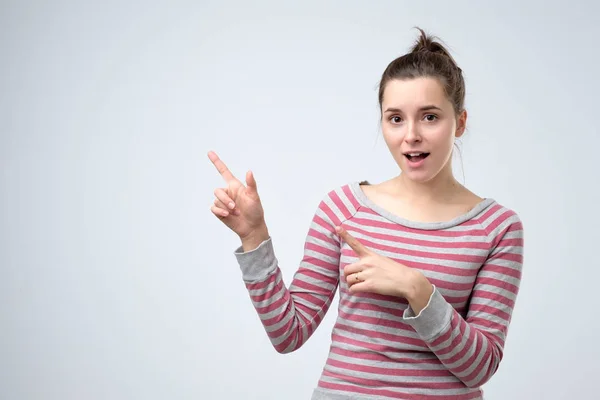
443	136
393	137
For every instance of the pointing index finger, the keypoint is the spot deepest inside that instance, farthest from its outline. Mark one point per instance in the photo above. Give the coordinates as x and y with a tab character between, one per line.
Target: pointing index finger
221	167
357	246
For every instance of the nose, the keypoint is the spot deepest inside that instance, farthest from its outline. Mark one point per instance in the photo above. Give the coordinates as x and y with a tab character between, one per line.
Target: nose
412	134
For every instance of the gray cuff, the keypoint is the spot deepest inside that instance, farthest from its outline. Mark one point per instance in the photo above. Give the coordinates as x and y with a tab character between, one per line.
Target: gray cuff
433	319
257	264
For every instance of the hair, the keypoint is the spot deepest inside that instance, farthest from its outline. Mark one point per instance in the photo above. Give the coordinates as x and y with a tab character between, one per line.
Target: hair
428	58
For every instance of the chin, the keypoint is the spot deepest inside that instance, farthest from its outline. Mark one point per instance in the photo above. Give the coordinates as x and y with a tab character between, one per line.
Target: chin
423	174
418	176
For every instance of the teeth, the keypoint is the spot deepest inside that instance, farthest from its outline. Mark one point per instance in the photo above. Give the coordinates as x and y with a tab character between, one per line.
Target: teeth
414	154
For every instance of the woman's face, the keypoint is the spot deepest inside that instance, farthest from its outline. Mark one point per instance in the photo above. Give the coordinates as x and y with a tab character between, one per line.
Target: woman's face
419	127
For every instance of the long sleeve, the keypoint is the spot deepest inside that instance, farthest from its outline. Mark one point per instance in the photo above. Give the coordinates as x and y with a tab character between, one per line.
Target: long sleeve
472	347
291	316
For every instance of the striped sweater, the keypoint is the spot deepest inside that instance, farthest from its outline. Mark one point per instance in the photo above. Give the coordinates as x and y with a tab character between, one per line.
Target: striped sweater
379	348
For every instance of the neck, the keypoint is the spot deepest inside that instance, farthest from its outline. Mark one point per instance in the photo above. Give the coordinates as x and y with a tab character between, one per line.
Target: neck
439	189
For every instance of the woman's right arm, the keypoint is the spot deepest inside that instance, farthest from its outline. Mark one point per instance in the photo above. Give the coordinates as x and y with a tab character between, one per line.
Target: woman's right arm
291	316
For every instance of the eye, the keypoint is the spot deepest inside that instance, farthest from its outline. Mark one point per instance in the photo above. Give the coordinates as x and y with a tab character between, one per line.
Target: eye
395	119
431	117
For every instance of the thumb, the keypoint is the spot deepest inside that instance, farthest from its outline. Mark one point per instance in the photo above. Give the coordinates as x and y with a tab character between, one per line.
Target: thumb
251	182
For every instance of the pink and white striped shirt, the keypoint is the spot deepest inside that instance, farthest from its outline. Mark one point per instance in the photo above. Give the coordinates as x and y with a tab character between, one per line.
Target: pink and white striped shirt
380	349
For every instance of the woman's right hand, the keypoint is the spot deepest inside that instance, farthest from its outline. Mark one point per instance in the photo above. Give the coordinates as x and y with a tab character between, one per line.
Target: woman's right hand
236	205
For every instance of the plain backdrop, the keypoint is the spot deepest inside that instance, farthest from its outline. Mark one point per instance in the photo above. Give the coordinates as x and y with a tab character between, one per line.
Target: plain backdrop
117	282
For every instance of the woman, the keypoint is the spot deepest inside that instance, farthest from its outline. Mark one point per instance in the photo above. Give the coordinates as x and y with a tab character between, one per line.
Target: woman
427	271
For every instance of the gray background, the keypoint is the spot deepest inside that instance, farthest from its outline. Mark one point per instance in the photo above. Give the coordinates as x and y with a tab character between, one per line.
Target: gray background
116	281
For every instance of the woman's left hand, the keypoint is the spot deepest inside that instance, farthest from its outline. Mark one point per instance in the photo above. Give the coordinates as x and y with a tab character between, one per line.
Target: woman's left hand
375	273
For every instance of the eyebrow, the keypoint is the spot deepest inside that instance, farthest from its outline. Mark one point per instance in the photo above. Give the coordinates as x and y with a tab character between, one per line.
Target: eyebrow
424	108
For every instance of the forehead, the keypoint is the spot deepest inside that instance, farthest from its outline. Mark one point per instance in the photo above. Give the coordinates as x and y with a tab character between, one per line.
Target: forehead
414	93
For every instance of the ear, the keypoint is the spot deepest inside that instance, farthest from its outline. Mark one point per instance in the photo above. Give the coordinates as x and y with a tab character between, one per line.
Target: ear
461	124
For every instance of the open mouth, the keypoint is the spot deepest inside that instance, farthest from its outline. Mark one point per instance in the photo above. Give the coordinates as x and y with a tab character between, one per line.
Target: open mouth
416	156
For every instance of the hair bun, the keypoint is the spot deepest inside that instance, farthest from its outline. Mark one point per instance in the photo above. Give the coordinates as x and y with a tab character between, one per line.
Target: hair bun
427	43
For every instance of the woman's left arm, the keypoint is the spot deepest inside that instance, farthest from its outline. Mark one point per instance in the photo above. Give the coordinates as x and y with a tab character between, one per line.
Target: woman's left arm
472	347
